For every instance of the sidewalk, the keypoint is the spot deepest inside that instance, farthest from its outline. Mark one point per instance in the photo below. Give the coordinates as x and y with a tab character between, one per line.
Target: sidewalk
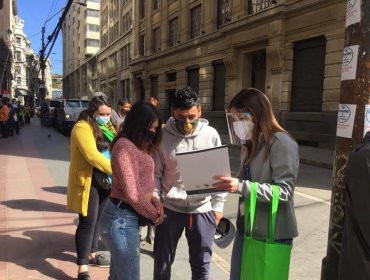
36	230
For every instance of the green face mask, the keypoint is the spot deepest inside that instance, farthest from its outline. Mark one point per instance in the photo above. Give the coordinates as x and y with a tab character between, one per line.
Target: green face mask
186	128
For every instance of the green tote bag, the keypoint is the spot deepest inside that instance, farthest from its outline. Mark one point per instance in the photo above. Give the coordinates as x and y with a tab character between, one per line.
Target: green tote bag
264	260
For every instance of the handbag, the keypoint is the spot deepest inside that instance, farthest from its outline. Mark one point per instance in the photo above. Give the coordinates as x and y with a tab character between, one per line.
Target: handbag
264	260
103	180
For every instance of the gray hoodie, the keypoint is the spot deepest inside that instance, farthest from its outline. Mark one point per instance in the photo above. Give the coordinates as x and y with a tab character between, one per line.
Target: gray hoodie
168	183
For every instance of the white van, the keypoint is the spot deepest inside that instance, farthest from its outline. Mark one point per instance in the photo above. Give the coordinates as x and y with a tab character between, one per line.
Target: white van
68	113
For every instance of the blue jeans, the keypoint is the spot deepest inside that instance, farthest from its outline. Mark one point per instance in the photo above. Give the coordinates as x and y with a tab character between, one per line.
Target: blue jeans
120	233
236	256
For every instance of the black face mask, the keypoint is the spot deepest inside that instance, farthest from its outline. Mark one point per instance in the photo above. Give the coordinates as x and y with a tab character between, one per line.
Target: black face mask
150	135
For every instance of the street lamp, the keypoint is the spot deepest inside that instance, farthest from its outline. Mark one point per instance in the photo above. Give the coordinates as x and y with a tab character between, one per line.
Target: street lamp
50	38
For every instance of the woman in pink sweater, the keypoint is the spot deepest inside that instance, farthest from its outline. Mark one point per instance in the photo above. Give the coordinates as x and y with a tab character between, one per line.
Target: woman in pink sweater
132	198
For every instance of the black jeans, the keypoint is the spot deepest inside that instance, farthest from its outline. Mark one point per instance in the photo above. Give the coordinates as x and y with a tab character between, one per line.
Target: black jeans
87	233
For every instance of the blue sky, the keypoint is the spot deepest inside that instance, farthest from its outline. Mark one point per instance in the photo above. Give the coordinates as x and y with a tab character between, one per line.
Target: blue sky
35	13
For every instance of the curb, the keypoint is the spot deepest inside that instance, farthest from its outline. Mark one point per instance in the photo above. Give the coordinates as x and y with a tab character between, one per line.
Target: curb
316	163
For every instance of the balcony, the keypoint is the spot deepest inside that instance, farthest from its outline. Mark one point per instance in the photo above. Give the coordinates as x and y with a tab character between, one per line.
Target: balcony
255	6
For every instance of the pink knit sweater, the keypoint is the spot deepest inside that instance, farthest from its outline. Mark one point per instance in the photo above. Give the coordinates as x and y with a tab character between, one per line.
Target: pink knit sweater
133	177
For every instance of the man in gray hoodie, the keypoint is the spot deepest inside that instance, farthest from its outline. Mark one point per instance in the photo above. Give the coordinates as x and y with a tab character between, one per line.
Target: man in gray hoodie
197	214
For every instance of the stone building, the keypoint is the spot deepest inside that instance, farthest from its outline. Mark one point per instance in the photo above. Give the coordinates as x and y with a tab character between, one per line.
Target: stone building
8	11
81	40
113	75
289	49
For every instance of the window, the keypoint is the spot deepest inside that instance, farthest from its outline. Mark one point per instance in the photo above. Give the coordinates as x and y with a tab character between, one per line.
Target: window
93	13
195	20
114	7
154	86
141	9
112	63
125	55
125	84
18	41
218	103
155	5
222	12
18	56
307	90
104	17
93	28
19	81
104	39
115	31
173	32
72	104
142	45
92	43
126	22
193	78
155	40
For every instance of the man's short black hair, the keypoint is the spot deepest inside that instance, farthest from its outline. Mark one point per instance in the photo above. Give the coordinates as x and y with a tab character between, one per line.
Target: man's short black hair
185	98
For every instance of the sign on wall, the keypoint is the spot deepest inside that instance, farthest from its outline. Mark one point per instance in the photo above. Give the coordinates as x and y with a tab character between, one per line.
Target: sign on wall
349	63
353	14
346	117
367	119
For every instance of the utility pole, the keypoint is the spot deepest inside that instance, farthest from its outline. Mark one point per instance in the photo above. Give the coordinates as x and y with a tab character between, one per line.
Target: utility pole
42	86
52	37
355	90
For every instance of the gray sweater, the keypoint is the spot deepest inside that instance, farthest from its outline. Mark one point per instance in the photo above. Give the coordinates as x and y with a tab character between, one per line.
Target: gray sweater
168	184
281	169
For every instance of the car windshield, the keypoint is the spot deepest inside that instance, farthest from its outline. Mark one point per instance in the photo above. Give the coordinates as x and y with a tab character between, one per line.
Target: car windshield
73	104
84	104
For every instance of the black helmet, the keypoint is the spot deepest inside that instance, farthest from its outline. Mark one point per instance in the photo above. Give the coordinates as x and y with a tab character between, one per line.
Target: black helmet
225	233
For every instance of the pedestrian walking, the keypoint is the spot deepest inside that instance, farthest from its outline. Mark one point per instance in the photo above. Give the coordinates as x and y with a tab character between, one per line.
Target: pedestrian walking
13	121
4	116
132	198
197	214
269	157
87	194
154	101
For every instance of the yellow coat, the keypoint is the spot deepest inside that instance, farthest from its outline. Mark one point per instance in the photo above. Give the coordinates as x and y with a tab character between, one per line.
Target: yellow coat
84	156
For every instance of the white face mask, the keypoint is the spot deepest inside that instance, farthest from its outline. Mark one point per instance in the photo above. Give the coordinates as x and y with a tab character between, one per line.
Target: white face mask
243	129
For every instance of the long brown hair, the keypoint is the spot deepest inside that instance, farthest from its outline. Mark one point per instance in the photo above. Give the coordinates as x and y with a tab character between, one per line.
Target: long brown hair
135	127
88	115
254	101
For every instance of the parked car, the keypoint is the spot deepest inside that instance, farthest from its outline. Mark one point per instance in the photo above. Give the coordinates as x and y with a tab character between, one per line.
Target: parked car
68	113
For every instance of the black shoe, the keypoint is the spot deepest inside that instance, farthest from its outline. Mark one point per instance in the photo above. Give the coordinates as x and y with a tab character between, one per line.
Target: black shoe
83	276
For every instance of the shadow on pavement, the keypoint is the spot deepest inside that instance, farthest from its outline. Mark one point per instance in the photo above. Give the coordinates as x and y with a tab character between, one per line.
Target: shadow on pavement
30	252
56	189
35	205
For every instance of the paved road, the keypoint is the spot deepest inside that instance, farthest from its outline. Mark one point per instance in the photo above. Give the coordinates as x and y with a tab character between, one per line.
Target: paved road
312	200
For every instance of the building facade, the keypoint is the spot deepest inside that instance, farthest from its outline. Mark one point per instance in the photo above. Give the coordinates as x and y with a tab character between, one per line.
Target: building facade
81	40
8	11
290	49
117	41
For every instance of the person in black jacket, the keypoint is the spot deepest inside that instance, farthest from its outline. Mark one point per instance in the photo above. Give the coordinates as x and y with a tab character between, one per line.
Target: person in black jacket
354	260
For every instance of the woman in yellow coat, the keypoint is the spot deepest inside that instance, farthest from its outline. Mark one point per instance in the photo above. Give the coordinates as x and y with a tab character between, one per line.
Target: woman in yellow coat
90	136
